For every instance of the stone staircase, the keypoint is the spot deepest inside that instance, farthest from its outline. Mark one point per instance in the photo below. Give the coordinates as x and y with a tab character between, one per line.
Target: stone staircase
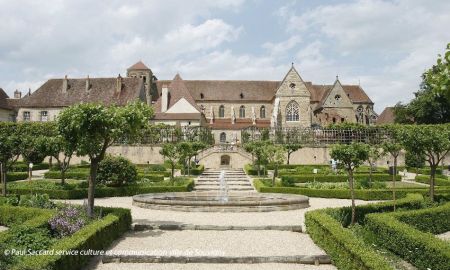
236	180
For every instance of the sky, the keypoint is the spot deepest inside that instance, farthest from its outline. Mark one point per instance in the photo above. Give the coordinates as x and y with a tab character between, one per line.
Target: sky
384	46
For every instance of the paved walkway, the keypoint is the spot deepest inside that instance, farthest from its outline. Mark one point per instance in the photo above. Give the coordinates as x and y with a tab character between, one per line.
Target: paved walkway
444	236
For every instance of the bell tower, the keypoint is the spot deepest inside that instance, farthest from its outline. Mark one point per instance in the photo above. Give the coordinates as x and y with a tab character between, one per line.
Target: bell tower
140	70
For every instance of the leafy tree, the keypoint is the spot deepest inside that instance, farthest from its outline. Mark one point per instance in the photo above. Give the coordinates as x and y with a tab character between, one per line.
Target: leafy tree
430	141
257	148
393	146
438	76
92	128
291	148
116	171
10	141
186	152
171	153
375	153
59	149
350	156
275	155
414	160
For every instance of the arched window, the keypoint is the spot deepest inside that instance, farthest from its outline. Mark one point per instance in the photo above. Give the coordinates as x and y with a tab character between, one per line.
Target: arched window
292	111
242	112
262	112
221	111
223	137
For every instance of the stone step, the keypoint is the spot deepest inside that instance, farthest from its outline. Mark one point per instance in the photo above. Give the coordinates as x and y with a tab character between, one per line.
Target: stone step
192	227
212	246
209	266
213	188
210	183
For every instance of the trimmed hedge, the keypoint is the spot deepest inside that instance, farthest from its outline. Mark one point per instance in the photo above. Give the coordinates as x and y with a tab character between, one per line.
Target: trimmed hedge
101	192
250	170
97	235
438	181
15	176
434	220
345	248
304	178
23	167
74	174
150	177
33	217
194	171
422	249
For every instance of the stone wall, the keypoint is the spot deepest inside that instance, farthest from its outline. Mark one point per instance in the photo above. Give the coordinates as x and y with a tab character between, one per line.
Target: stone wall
35	113
237	160
236	106
6	115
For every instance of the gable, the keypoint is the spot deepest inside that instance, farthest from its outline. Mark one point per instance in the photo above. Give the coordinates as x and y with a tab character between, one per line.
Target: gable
293	85
337	98
182	106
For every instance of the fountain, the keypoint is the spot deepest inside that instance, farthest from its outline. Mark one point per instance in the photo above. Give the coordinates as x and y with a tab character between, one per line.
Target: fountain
223	188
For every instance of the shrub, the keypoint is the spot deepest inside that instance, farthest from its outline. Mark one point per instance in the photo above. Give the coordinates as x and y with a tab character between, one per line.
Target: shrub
28	237
423	250
304	178
435	220
250	170
115	171
36	200
150	178
23	167
438	180
70	174
67	221
15	176
194	171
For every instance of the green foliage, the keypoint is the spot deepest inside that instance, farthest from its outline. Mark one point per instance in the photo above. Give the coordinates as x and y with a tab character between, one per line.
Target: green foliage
36	201
71	174
414	160
435	220
438	181
116	171
23	167
194	171
15	176
350	155
304	178
26	237
172	155
422	249
253	170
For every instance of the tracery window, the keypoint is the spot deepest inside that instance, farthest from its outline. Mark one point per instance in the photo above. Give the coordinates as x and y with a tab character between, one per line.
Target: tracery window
292	111
221	111
262	112
242	112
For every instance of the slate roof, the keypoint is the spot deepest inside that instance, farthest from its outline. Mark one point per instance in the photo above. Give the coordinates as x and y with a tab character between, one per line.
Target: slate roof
102	90
4	100
386	117
139	65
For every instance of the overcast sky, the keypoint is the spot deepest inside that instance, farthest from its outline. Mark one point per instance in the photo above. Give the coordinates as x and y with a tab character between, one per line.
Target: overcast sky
383	45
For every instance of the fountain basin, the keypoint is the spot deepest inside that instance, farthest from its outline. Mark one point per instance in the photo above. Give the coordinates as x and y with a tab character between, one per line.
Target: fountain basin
209	202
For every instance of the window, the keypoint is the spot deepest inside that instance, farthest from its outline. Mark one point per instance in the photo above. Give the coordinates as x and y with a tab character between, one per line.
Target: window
242	112
262	112
292	86
242	95
202	109
337	97
223	137
292	111
44	116
202	96
26	116
221	111
360	109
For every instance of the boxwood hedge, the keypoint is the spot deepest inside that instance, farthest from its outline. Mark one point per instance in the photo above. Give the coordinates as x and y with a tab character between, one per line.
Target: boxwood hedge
304	178
422	249
438	180
194	171
15	176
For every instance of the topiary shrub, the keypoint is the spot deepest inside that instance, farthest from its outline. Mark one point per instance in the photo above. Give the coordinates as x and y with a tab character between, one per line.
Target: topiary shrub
116	171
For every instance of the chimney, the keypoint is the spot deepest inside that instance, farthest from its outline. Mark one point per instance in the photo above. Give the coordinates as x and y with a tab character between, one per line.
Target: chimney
65	84
119	84
88	84
164	98
17	94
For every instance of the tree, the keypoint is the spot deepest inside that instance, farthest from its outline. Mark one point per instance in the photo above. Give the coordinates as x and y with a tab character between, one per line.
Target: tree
10	141
430	141
393	146
375	153
431	104
61	150
350	156
171	152
291	148
257	148
92	128
276	156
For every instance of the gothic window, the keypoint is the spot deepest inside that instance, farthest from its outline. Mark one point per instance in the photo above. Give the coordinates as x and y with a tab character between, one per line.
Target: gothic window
223	137
26	116
292	111
242	112
262	112
221	111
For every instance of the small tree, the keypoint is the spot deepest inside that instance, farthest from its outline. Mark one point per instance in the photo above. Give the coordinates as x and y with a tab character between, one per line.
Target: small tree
257	148
393	146
276	156
61	150
185	152
431	141
10	141
291	148
375	153
350	156
92	128
172	154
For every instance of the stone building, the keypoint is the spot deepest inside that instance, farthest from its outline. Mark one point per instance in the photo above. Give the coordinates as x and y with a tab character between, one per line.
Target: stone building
226	106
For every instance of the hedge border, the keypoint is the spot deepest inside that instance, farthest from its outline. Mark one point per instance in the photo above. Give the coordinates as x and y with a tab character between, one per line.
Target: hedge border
347	250
438	181
422	249
304	178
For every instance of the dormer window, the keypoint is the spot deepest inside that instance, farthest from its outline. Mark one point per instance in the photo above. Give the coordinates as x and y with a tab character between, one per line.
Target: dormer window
292	86
241	95
202	96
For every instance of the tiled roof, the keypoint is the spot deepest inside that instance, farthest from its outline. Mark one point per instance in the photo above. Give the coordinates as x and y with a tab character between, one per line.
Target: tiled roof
225	123
386	117
4	100
230	91
138	65
102	90
177	116
177	91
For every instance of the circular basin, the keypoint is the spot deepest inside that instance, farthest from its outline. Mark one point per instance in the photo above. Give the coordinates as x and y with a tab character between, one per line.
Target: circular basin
212	202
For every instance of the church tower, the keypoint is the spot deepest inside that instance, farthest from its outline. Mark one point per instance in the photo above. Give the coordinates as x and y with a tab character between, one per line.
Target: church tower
140	70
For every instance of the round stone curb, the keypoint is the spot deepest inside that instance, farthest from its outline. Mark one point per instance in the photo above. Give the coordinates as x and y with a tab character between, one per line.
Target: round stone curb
298	259
192	227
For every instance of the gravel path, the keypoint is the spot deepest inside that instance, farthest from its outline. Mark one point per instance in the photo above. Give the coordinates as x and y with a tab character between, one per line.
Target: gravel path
218	243
264	266
3	228
444	236
292	217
